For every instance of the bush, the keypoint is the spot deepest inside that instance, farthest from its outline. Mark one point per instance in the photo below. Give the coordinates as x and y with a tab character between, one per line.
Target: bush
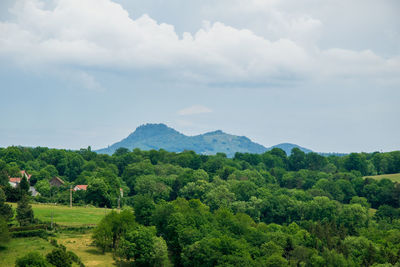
29	227
54	243
59	257
30	233
4	233
33	259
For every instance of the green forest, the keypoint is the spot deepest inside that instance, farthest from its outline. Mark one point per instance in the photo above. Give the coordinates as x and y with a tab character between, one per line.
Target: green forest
186	209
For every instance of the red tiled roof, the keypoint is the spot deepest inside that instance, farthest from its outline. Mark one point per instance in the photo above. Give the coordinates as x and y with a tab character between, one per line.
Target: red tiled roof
15	180
81	187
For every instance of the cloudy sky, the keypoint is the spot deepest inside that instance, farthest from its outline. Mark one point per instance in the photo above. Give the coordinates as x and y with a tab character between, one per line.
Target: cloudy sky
321	74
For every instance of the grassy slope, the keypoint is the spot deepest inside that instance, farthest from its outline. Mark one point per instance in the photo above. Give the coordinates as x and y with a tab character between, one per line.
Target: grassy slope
393	177
18	247
64	215
76	242
80	244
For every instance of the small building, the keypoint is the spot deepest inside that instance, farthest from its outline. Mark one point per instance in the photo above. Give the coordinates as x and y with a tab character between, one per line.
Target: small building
33	191
14	181
56	182
80	187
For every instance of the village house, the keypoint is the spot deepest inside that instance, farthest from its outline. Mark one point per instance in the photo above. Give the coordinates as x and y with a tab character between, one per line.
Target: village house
80	187
15	181
56	182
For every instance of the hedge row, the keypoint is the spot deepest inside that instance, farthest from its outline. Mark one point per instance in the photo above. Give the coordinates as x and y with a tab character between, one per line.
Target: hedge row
31	233
29	227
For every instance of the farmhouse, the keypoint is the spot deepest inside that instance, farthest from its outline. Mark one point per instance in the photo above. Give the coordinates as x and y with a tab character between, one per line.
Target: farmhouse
56	182
14	181
80	187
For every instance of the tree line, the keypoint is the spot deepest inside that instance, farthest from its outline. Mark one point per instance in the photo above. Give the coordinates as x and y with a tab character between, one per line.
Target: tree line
268	209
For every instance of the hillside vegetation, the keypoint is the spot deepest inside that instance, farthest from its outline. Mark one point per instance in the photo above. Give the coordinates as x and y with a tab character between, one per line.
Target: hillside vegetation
66	216
395	177
186	209
160	136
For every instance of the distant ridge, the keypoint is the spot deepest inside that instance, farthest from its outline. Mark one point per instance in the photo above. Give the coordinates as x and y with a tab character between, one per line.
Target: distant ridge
157	136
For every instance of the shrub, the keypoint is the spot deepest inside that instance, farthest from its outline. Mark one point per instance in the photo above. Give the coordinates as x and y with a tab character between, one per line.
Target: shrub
30	233
33	259
59	257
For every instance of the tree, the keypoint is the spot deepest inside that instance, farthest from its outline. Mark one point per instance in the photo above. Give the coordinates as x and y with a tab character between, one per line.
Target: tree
4	233
32	259
297	159
97	193
3	178
219	197
59	257
6	210
43	187
142	245
24	212
144	207
24	185
356	162
111	228
386	212
276	260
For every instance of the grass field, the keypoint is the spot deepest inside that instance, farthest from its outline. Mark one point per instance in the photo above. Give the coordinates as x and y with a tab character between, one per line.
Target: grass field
18	247
393	177
80	244
66	216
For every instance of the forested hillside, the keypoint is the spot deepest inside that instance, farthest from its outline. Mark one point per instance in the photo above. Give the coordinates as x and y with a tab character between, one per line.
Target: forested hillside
265	209
160	136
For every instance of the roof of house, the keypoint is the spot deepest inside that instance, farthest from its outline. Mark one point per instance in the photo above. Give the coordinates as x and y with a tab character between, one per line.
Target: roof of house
28	176
15	180
18	179
58	179
81	186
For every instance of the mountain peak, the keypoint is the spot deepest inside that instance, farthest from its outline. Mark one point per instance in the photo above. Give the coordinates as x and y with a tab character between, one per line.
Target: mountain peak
152	129
215	132
158	135
152	126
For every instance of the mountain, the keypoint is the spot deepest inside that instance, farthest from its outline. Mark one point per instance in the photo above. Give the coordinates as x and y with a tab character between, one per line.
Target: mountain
287	147
156	136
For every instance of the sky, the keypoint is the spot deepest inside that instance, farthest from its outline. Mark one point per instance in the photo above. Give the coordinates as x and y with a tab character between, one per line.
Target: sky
321	74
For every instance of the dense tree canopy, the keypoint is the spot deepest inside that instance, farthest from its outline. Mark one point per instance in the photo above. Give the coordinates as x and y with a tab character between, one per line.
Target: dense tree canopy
186	209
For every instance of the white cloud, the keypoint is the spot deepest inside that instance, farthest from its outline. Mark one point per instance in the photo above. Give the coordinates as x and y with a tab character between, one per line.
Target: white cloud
196	109
100	34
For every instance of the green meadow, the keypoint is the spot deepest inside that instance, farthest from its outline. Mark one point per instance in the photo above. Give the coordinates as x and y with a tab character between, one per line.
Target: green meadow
66	216
79	243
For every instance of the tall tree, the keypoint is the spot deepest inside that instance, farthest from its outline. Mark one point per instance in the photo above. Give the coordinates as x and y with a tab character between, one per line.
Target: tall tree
24	212
4	234
6	210
3	178
24	185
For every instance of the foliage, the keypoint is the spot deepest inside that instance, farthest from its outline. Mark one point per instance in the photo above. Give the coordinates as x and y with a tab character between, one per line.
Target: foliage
59	257
111	228
24	185
4	232
32	259
24	212
6	210
269	209
143	246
